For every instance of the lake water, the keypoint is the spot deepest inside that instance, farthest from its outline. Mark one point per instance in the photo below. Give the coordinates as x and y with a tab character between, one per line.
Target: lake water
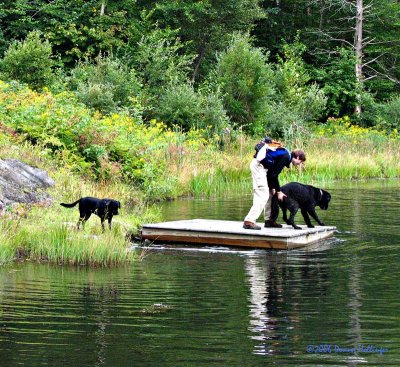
334	304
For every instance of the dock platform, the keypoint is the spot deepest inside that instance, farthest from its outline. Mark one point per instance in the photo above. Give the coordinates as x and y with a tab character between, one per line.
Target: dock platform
232	233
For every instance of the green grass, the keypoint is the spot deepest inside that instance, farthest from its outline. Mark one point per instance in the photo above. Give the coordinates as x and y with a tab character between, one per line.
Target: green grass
50	235
65	246
328	159
219	181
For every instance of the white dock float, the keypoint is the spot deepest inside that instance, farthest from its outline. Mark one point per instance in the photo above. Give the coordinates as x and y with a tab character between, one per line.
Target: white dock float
232	233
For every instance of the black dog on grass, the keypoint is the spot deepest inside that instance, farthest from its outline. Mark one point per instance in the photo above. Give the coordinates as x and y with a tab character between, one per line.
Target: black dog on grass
303	197
104	208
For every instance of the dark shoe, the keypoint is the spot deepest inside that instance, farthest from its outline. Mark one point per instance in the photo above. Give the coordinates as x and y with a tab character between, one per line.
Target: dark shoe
250	225
271	224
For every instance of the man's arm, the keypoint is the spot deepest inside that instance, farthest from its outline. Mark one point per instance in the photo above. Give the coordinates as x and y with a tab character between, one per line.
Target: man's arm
273	173
261	153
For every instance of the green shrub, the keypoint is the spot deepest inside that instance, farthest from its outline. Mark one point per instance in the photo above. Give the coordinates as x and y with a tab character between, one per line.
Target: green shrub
244	78
296	100
387	115
159	60
105	85
29	61
179	105
338	82
278	117
293	84
214	116
114	147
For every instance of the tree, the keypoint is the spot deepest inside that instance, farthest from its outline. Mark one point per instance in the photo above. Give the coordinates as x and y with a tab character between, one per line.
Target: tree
244	78
106	84
206	26
77	29
29	61
356	25
297	101
332	30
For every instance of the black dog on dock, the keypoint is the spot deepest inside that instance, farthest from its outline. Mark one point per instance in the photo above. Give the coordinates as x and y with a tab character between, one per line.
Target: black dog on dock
303	197
104	208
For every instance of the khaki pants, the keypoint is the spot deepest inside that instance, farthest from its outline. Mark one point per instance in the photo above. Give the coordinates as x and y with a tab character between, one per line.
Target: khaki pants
261	194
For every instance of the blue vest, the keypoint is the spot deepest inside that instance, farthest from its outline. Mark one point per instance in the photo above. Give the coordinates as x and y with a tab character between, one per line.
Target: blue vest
271	156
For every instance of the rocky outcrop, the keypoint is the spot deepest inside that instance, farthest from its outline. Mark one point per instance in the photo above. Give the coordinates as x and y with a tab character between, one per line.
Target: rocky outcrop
22	183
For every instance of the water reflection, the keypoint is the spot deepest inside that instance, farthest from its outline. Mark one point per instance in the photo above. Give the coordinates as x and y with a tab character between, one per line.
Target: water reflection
355	303
262	300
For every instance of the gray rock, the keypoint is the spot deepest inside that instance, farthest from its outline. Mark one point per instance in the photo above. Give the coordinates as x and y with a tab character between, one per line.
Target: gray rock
21	183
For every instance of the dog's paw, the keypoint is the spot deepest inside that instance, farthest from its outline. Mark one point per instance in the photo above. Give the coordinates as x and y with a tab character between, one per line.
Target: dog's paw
321	223
297	227
311	226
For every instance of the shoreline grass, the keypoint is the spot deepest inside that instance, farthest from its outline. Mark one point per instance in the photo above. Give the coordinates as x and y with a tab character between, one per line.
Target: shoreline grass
51	235
329	159
343	168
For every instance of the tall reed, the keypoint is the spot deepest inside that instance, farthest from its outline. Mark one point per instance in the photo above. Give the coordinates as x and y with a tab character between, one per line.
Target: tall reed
328	159
50	239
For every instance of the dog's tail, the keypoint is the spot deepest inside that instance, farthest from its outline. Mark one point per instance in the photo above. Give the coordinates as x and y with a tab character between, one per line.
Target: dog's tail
70	205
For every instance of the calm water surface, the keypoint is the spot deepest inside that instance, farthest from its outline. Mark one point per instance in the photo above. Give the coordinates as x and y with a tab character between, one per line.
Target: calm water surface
334	304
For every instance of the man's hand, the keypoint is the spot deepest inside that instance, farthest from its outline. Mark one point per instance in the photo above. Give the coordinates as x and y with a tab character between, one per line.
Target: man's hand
280	195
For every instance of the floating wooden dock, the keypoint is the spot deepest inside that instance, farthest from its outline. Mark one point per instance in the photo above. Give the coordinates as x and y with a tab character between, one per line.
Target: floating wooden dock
232	233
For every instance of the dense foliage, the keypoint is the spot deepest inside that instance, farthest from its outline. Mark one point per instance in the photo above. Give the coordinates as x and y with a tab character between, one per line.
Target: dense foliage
169	57
115	148
120	89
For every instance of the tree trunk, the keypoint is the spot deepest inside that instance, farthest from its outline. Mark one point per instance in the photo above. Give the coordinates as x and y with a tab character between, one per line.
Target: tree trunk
321	15
103	7
197	62
358	47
